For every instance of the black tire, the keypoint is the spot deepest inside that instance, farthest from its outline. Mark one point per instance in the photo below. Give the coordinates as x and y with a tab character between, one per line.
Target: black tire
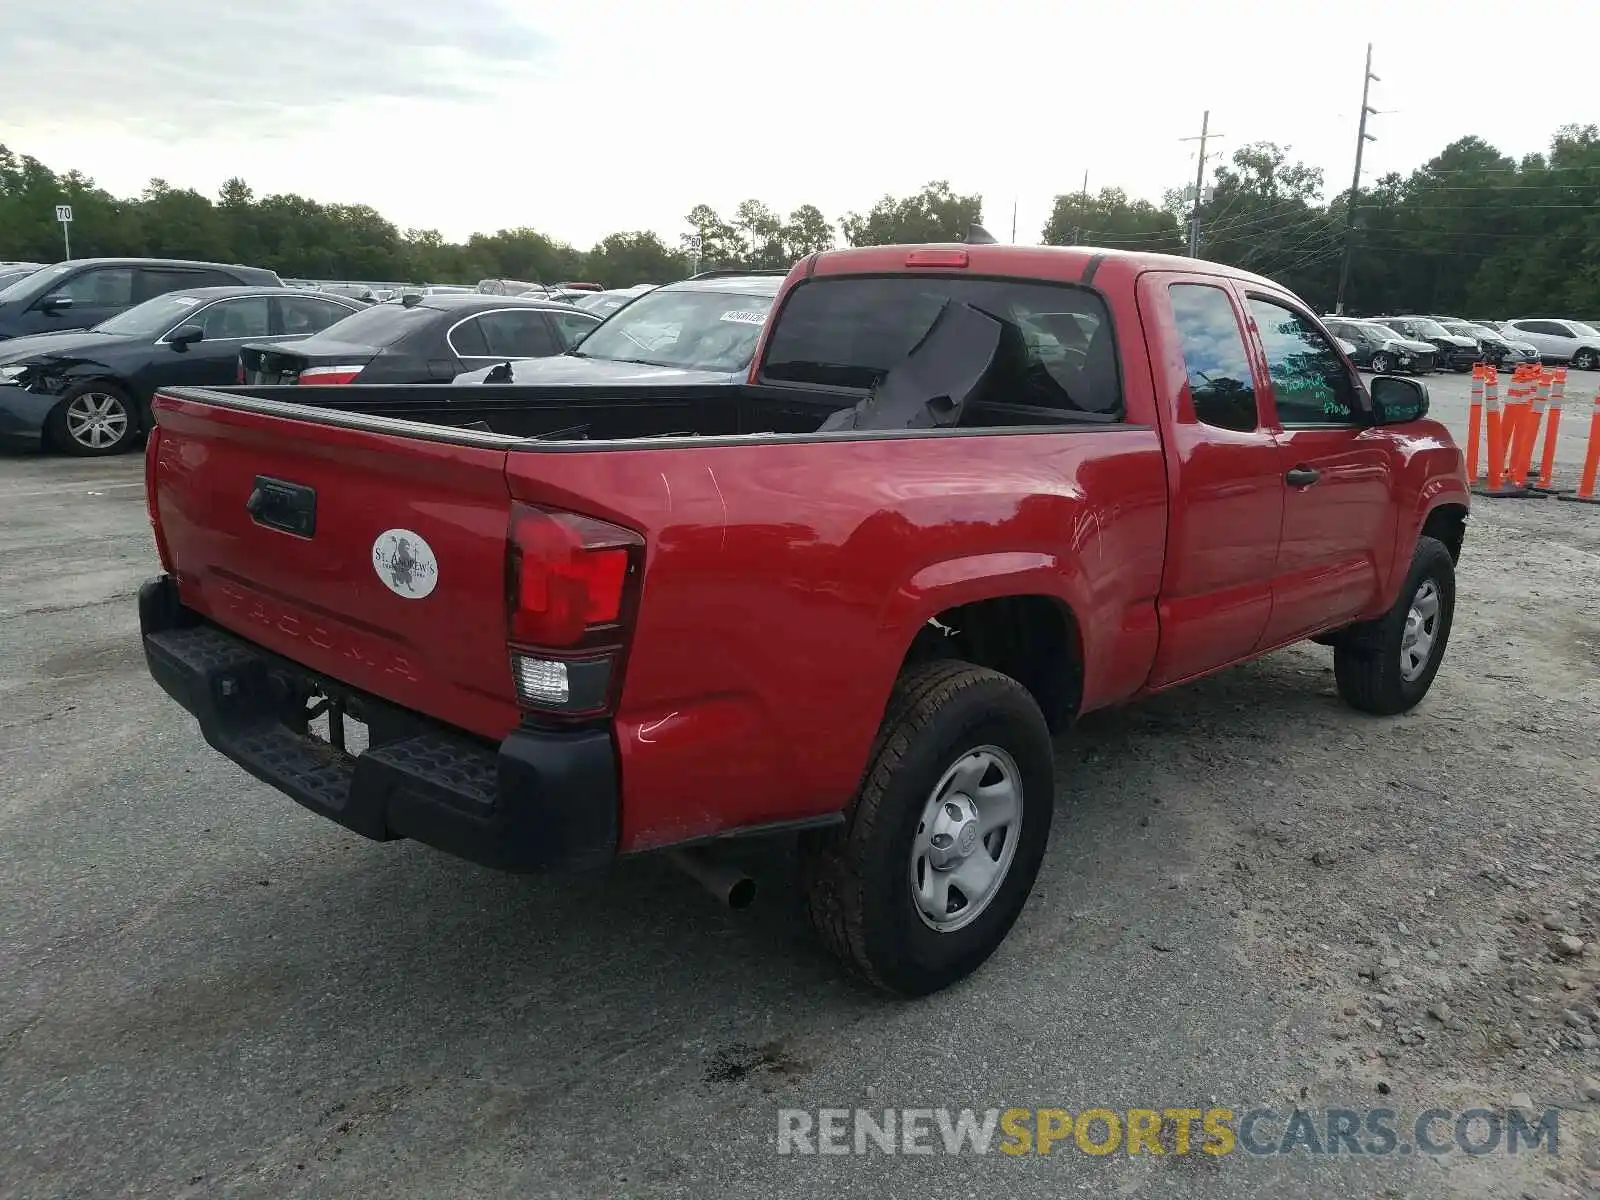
1586	360
1381	364
858	878
1367	659
121	430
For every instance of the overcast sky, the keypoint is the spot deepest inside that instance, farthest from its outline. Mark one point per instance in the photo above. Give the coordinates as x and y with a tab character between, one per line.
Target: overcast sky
584	117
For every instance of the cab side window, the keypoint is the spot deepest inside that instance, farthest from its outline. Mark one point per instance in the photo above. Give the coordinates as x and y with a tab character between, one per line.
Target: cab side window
1220	381
1309	379
99	287
235	320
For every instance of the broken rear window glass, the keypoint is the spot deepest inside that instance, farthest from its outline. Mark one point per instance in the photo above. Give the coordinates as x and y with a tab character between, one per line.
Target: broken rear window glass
850	332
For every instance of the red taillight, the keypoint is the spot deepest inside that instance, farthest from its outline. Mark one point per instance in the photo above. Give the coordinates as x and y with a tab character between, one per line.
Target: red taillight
152	450
937	258
330	375
569	575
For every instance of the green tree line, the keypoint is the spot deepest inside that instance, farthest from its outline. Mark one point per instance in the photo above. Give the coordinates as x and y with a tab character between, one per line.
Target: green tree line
1471	231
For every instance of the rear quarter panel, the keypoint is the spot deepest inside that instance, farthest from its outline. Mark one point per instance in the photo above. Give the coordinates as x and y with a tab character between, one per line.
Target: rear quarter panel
785	581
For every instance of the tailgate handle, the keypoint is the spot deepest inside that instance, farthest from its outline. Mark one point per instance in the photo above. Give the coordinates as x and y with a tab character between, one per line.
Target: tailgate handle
279	504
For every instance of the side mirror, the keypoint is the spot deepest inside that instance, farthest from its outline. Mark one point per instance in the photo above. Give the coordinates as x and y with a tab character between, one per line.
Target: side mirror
185	336
1397	400
52	304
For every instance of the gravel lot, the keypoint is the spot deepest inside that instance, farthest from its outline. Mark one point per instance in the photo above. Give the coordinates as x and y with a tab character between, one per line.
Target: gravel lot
1255	898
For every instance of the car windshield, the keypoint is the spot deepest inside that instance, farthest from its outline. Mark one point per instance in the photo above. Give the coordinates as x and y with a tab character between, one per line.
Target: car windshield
691	329
150	319
28	282
1425	327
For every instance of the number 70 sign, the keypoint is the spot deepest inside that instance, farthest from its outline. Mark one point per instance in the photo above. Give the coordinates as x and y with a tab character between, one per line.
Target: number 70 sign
63	213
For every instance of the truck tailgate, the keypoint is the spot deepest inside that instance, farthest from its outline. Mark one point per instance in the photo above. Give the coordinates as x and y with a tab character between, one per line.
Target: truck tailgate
375	558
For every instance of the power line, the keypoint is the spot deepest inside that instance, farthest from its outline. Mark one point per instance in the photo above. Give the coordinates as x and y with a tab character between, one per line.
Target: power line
1465	207
1443	174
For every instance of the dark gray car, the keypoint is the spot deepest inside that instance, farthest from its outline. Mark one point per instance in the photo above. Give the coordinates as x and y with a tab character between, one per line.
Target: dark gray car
82	292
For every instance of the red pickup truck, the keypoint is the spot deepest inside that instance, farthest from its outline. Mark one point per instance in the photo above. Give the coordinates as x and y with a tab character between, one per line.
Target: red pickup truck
967	494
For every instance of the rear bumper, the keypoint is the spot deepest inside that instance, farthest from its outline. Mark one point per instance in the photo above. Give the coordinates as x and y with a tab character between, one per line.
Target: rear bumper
540	800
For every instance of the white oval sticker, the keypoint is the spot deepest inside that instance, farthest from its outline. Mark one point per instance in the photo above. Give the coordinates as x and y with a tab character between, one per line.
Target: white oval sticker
405	563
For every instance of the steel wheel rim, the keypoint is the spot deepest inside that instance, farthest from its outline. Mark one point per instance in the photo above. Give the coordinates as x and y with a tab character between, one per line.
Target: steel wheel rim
1421	631
966	839
97	420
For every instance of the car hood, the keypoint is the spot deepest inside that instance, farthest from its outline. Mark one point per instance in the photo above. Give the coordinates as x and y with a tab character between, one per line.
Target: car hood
1460	339
72	343
570	368
1411	346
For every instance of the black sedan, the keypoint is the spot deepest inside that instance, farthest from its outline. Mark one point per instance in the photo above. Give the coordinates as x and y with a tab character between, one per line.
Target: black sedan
88	391
421	339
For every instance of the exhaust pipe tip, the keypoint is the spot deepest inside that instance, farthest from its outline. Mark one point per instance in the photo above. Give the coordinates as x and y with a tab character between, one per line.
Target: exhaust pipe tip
731	886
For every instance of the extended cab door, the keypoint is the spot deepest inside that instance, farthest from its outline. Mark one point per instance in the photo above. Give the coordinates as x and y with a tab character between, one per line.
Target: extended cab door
1223	475
1339	511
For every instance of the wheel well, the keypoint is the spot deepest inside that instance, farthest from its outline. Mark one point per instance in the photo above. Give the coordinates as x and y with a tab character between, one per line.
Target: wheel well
1447	523
1033	639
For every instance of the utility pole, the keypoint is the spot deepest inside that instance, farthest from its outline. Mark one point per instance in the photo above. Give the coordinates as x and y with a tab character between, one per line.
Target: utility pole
1199	182
1013	222
1362	138
1083	207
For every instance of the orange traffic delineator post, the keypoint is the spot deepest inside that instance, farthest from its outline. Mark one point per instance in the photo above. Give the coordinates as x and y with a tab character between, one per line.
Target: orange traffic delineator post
1495	428
1516	406
1547	460
1591	460
1475	419
1527	438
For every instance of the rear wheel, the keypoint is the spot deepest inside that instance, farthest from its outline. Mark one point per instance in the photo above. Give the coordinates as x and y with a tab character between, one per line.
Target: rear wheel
1586	360
1386	666
1382	364
943	842
94	418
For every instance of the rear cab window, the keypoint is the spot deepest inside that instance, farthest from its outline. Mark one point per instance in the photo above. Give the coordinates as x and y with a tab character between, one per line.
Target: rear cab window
1058	360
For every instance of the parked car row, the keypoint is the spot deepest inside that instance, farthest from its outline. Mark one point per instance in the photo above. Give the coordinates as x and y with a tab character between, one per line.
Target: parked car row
88	391
90	341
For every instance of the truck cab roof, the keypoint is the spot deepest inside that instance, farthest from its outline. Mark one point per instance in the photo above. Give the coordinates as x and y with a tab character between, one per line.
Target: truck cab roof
1080	264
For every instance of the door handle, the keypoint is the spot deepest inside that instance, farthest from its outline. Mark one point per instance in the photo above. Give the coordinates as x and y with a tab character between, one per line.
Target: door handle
1302	476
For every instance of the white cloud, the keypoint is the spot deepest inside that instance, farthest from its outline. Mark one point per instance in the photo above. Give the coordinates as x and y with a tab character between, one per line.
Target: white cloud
582	119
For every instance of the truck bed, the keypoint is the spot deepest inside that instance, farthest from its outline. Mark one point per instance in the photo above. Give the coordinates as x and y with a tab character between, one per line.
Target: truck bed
563	413
600	413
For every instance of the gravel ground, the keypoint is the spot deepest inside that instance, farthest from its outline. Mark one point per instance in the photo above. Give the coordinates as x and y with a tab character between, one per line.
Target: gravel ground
1255	897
